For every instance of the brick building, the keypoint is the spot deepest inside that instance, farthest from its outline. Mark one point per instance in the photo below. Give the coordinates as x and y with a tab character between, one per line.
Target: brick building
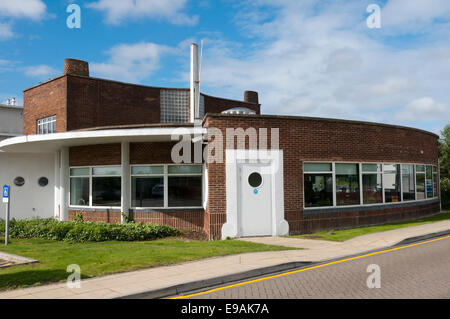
109	149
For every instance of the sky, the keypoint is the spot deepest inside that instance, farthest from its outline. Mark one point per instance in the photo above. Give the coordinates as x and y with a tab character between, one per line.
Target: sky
304	57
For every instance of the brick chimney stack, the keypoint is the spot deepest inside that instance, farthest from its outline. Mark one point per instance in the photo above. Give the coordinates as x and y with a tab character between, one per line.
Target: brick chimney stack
251	97
76	67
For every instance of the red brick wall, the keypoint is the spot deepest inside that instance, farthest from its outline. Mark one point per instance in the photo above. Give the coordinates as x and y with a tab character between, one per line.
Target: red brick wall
104	154
96	102
182	220
45	100
310	139
109	217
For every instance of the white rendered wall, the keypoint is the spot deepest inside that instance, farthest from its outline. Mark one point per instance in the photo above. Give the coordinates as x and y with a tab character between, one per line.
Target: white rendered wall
30	200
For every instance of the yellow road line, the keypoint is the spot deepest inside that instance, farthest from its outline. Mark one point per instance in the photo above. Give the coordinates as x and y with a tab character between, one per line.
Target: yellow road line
308	268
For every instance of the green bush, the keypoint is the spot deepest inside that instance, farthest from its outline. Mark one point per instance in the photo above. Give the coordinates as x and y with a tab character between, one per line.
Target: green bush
78	231
445	193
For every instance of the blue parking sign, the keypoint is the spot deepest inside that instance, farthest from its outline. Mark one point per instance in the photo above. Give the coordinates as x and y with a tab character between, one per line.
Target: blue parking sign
5	193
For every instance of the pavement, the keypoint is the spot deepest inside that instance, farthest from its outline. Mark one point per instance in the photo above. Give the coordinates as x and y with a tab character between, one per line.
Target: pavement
181	278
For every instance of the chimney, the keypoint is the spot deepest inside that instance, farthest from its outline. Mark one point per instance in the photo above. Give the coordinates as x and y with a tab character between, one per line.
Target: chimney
195	85
251	97
76	67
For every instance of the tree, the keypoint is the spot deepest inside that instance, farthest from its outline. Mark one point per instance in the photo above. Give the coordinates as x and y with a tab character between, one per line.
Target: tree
444	152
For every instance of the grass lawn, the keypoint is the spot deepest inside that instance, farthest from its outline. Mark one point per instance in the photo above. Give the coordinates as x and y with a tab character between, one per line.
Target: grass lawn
98	259
342	235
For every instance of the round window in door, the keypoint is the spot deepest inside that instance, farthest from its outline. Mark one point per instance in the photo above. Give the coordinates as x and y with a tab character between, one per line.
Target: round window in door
255	179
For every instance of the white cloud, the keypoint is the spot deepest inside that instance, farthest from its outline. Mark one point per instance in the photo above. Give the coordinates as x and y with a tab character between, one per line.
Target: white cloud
40	71
5	31
321	60
425	108
131	62
413	15
118	11
33	9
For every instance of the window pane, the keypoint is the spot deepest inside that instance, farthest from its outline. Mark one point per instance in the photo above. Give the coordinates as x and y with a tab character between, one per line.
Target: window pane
420	185
83	171
420	168
429	181
109	170
185	191
435	182
147	191
185	169
371	168
347	186
318	190
141	170
372	189
79	191
317	167
106	191
409	192
391	182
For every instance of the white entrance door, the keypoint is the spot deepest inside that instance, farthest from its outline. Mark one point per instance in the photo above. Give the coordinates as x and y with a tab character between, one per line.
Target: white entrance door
255	199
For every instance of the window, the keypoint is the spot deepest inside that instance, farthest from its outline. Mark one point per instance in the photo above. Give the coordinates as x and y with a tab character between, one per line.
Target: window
95	186
166	186
106	186
420	181
409	190
147	186
391	183
347	184
79	186
184	185
46	125
372	183
318	184
435	182
174	106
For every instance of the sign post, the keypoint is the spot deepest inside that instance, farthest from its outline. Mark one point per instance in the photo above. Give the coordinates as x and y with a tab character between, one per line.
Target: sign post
6	194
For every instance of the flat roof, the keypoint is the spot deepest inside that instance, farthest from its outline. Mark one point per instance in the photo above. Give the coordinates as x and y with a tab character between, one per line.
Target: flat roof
310	118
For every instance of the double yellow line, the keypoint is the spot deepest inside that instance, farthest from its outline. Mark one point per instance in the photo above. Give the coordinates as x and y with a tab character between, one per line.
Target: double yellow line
308	268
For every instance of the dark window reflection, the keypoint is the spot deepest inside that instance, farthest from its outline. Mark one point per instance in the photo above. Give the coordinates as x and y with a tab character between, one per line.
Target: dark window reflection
147	191
318	190
106	191
185	191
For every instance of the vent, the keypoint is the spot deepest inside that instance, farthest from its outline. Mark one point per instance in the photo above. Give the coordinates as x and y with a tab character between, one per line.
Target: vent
239	110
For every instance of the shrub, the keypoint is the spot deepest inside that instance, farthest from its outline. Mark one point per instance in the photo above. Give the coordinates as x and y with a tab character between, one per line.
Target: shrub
78	231
445	192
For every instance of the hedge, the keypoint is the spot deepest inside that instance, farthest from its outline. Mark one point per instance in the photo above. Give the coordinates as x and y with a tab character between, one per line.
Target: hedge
78	231
445	193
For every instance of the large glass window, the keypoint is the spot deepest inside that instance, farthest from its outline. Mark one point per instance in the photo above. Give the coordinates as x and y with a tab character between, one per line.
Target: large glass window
409	191
318	185
347	184
435	182
372	183
106	186
184	186
79	186
429	181
420	182
147	186
391	183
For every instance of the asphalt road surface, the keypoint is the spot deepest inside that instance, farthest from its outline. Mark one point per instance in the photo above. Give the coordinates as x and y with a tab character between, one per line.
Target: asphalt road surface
420	271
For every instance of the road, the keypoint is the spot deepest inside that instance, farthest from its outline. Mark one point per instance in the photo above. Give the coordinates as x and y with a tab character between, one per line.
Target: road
419	271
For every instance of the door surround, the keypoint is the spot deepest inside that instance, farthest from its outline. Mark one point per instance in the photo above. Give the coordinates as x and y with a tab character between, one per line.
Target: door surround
231	228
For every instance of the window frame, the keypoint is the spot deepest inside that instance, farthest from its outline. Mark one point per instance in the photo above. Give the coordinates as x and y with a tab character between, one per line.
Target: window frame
166	176
91	176
333	167
46	122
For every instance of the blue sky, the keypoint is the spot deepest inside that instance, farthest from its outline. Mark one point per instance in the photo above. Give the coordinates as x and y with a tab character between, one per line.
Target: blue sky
309	57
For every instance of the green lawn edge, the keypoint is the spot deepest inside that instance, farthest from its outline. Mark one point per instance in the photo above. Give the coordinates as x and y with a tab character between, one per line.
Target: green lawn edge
346	234
104	258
